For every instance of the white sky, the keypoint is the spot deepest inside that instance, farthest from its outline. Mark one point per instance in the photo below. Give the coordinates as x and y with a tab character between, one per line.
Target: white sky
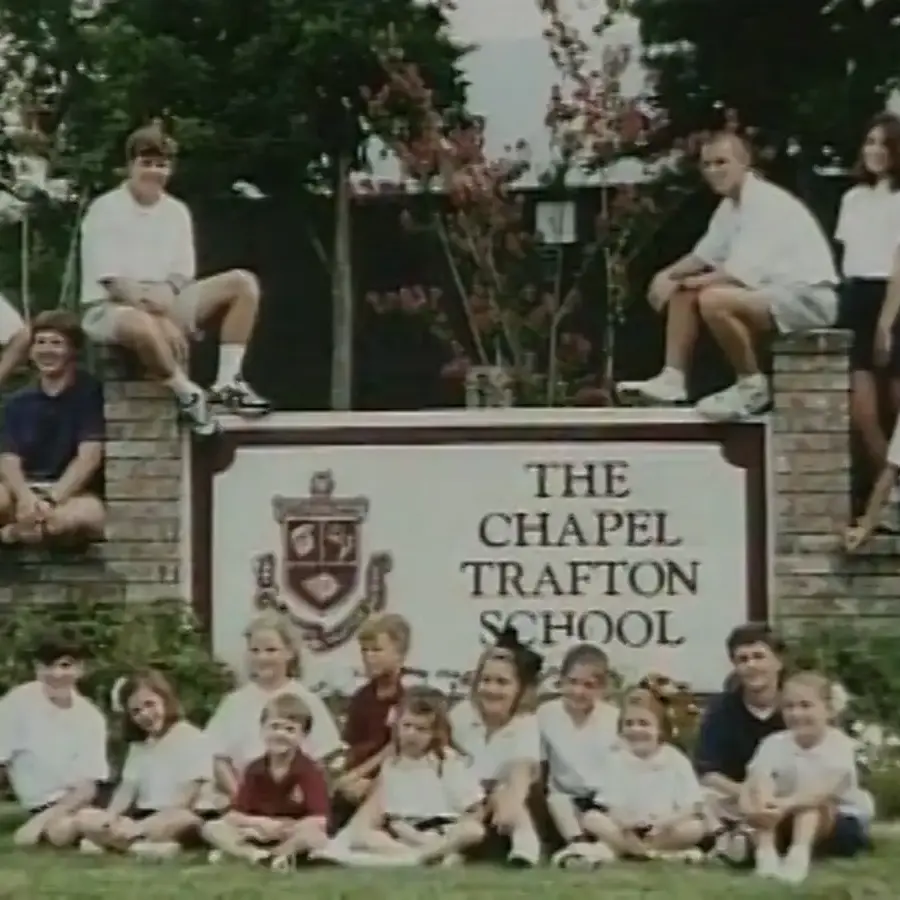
497	20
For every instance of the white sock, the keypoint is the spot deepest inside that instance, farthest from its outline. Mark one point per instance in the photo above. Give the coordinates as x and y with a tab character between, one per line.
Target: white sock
757	379
526	844
670	373
182	386
231	358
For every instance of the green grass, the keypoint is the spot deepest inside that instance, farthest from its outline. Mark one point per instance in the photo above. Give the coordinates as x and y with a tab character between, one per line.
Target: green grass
47	874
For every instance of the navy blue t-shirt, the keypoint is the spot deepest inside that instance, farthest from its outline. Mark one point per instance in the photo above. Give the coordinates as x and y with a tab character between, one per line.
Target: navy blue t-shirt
729	736
45	430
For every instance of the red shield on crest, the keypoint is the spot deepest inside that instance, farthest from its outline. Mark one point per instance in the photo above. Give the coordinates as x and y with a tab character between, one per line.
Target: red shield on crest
321	559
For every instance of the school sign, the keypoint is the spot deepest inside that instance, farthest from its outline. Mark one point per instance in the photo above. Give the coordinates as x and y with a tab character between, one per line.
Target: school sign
648	536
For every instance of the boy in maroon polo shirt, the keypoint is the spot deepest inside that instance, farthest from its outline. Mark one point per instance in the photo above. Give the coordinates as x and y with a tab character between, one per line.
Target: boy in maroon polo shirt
384	644
282	808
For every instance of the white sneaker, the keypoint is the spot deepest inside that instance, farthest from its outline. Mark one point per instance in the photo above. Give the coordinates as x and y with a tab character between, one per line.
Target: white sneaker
665	389
215	857
768	865
795	868
155	850
89	848
745	398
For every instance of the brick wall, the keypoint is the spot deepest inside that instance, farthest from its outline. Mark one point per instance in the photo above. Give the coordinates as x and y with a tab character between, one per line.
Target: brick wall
140	560
810	456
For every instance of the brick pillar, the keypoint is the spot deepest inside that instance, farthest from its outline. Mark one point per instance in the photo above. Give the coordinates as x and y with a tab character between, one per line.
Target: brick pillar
144	486
810	455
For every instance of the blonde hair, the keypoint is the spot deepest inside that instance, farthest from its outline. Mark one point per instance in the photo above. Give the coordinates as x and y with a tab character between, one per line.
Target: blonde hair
647	700
392	625
527	699
818	683
277	624
290	708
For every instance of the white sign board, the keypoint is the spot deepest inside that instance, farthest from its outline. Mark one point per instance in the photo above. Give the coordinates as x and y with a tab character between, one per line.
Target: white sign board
638	546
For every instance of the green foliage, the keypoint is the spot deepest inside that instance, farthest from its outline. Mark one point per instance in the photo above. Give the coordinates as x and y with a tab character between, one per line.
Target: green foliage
270	92
122	639
809	70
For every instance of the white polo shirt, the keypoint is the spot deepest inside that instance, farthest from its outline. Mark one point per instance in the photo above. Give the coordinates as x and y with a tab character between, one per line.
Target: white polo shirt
162	769
869	228
577	753
121	238
768	238
234	731
48	749
656	789
492	755
428	788
793	768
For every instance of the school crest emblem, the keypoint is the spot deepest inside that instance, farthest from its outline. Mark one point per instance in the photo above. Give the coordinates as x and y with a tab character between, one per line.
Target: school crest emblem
318	583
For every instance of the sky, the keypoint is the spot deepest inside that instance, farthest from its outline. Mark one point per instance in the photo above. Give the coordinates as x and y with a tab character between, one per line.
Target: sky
511	73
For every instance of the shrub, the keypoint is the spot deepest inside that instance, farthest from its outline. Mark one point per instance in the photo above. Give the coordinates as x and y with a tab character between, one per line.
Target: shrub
122	639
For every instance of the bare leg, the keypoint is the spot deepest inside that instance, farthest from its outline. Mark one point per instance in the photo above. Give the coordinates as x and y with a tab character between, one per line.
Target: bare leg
736	316
225	836
15	353
460	836
306	837
608	832
682	329
866	416
681	835
565	816
376	840
82	516
807	826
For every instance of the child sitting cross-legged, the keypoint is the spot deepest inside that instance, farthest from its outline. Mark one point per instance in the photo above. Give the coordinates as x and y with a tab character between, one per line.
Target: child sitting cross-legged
802	795
281	810
159	799
426	806
653	802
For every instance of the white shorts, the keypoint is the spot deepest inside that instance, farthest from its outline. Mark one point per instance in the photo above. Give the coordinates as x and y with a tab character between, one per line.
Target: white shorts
802	307
99	317
11	323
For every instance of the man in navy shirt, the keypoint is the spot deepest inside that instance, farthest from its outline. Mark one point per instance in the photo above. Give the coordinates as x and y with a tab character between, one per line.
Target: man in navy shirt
738	719
51	456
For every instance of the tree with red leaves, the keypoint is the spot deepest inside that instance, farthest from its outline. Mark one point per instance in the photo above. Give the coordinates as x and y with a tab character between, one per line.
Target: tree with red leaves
512	313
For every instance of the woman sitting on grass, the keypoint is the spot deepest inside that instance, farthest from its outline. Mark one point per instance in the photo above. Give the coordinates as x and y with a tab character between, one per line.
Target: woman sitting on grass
497	729
803	793
159	799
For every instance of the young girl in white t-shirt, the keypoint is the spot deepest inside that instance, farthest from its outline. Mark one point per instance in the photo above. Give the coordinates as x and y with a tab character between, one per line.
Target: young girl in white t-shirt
653	805
868	228
497	729
273	665
427	803
579	730
163	793
802	792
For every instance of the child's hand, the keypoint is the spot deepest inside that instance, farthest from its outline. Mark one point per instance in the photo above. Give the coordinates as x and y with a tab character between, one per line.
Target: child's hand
505	813
353	787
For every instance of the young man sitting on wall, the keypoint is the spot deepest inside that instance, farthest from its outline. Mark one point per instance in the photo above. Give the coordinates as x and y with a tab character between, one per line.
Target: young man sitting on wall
51	451
139	288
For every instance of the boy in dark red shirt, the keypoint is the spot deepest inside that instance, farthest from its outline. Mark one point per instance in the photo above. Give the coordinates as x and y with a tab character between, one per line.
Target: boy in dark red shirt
383	643
282	808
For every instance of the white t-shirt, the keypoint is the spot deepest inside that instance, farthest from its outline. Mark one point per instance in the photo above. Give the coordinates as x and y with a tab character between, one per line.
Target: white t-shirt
869	228
492	755
48	749
656	789
121	238
234	731
768	238
426	788
161	770
577	754
794	768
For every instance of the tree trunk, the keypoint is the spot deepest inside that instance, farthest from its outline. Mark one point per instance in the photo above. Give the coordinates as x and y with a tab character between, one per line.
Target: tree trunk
342	294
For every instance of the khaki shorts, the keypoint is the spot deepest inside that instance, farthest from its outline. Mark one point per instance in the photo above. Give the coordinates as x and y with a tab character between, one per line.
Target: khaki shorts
98	318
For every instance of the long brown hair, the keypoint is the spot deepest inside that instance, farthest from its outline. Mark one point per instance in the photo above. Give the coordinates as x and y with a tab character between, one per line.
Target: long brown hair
889	125
155	682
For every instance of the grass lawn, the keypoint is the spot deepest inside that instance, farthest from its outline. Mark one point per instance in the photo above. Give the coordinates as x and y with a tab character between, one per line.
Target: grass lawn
47	874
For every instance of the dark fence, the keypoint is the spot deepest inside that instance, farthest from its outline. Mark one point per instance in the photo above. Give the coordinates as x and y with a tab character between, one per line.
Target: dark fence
397	361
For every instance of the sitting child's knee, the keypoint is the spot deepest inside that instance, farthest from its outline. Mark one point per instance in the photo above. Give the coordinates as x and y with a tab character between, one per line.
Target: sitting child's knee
61	832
